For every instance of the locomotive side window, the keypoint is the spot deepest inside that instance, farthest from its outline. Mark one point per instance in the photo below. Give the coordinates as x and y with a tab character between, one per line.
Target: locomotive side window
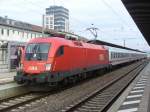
60	51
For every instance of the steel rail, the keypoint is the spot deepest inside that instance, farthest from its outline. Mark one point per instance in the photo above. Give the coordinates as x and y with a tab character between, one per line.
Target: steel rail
20	100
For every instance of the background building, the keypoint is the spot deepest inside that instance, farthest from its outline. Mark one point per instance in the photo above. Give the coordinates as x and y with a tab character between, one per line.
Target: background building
13	30
57	18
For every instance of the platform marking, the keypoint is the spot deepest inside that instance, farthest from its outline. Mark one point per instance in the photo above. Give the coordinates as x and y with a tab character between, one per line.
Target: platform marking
129	110
143	80
134	96
141	84
138	89
141	87
131	102
144	76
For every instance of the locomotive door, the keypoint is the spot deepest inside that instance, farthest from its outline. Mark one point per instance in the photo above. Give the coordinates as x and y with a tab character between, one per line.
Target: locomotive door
62	59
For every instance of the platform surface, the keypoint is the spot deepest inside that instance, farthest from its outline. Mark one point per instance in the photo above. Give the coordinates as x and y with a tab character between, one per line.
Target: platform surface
136	98
6	77
8	88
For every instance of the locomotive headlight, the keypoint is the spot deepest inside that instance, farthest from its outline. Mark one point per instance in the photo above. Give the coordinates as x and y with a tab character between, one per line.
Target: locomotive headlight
47	67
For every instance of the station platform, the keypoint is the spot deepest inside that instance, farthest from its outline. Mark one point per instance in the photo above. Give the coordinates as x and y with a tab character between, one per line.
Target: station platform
9	88
7	77
136	97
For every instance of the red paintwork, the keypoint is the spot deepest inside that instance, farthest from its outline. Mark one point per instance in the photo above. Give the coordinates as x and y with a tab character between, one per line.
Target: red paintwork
77	55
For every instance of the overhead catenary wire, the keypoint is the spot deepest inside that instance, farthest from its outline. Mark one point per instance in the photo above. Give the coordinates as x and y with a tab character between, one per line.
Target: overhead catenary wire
115	13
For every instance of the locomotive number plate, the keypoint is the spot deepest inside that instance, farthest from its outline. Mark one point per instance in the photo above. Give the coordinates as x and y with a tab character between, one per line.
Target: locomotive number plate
32	68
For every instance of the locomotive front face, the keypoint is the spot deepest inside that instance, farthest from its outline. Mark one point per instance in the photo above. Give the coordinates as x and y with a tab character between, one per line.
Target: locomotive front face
36	58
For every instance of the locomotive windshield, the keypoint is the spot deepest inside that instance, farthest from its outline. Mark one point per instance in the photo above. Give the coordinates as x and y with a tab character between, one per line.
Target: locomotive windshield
37	51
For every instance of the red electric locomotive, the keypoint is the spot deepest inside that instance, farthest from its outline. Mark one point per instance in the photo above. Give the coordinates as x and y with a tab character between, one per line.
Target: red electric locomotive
51	60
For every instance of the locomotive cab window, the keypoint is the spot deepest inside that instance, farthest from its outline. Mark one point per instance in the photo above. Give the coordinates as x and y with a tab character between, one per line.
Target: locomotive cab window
60	51
37	51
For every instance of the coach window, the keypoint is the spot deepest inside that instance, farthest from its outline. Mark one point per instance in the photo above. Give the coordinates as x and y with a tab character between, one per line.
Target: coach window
111	55
60	51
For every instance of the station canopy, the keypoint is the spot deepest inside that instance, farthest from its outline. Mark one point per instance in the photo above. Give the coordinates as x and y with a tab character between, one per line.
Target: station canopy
140	12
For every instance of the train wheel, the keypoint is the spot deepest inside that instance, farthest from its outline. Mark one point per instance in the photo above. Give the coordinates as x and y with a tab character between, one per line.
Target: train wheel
84	75
109	68
65	81
73	79
53	84
20	82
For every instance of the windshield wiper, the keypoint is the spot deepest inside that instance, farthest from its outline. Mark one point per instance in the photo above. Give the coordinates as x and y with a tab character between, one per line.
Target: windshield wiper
39	57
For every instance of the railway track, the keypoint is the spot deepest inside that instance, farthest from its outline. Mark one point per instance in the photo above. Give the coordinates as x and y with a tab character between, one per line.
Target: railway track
100	100
17	101
14	103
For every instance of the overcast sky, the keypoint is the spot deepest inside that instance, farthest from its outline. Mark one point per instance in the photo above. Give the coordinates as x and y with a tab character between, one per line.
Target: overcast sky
109	16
